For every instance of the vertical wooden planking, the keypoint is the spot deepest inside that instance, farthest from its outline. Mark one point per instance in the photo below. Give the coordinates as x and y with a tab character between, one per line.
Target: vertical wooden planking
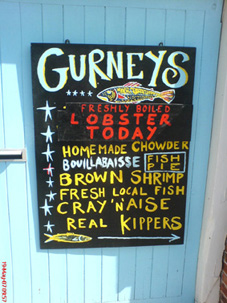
75	275
14	138
109	274
115	25
175	32
155	33
93	265
127	260
94	24
159	271
74	23
175	23
175	270
155	27
135	26
32	32
5	243
58	276
11	77
2	129
195	39
143	272
52	24
19	231
210	45
194	36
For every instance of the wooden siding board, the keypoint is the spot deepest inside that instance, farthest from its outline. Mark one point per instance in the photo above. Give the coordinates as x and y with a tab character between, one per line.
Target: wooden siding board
127	258
2	129
175	23
194	35
57	276
135	26
75	275
210	48
175	271
52	24
159	271
95	25
10	41
19	232
93	275
109	274
173	4
5	243
32	32
174	35
143	272
74	24
155	27
115	25
14	137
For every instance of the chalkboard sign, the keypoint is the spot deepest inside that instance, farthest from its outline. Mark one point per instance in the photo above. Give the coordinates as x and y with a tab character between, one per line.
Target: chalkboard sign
112	135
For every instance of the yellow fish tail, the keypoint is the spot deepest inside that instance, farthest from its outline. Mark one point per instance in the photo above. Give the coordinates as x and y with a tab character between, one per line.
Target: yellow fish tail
50	238
168	95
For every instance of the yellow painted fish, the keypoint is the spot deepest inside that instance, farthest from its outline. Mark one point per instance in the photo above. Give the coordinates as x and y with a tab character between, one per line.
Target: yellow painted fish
134	93
68	237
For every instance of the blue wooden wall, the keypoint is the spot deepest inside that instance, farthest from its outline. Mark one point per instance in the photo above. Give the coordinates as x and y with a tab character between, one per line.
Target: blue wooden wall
160	274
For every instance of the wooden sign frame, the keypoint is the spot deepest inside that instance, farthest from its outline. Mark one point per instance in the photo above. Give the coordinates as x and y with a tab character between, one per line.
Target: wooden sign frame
112	135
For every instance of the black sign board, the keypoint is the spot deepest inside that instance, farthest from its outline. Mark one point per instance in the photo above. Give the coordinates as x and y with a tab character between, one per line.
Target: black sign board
112	134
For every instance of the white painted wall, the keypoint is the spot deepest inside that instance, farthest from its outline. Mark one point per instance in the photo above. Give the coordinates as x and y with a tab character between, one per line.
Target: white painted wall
214	228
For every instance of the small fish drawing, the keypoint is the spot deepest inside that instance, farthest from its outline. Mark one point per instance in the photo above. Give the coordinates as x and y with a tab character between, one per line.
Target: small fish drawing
134	93
68	237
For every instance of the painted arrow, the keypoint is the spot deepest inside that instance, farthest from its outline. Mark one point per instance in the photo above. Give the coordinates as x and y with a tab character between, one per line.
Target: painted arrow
170	238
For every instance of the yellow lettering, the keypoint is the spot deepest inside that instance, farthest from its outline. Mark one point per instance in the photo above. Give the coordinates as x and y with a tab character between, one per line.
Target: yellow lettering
59	208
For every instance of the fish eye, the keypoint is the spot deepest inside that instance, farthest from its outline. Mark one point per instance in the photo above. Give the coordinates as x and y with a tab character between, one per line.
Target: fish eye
109	92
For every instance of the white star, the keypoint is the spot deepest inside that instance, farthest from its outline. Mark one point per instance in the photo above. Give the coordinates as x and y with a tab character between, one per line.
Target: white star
68	93
48	134
51	196
47	108
49	170
46	208
75	92
48	226
82	93
48	153
50	182
89	93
